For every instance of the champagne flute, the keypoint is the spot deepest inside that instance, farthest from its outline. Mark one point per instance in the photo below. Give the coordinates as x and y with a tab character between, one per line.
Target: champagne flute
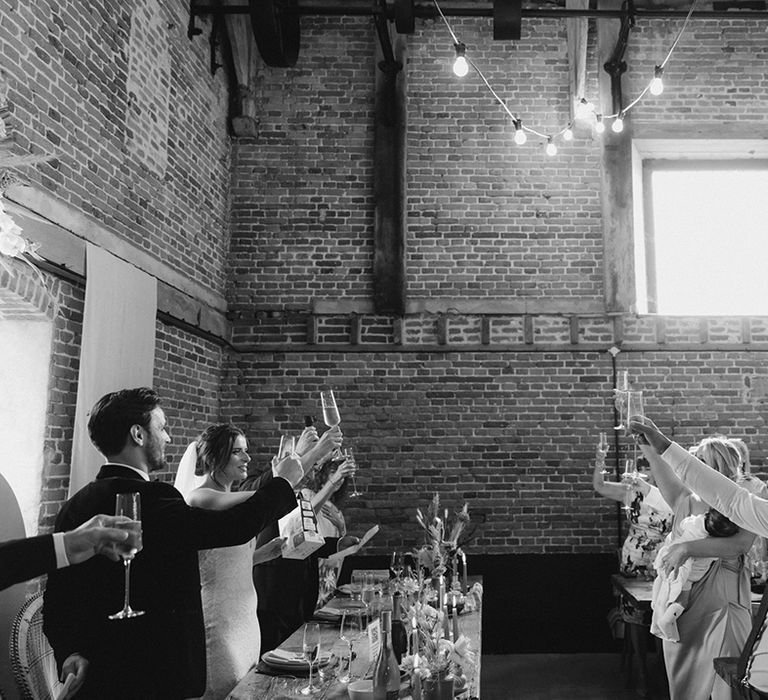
627	479
602	446
350	630
331	415
311	649
287	446
129	504
350	455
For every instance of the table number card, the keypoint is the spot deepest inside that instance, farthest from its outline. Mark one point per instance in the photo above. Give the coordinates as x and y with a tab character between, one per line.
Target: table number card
374	639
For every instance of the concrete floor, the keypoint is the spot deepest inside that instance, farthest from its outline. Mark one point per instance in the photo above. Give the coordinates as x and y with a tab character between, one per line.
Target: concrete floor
563	677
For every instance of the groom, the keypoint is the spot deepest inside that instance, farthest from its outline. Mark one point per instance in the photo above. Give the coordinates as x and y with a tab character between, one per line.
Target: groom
160	654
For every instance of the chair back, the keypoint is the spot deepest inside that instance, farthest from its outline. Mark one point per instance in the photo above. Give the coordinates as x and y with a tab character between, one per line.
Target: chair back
32	660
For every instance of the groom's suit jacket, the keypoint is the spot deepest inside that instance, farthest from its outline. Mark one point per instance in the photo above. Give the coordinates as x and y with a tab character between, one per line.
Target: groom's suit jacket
160	654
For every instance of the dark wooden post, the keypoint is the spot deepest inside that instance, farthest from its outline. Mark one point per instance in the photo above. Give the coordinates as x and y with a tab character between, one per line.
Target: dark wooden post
389	176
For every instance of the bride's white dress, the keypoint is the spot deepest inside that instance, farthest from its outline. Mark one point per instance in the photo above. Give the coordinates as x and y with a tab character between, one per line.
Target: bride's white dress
232	636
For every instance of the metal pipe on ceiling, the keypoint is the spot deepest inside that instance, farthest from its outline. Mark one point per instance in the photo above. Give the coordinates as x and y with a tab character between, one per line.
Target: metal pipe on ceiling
462	8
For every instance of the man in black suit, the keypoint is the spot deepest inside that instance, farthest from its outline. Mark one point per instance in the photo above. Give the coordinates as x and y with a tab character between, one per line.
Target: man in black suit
160	654
21	560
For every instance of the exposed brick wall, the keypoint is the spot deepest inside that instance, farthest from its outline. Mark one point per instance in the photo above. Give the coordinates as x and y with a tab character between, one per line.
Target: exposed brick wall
502	410
66	70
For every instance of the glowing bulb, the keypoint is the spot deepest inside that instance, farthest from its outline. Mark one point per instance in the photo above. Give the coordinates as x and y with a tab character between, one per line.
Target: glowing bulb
657	85
568	134
551	149
599	125
460	65
618	124
583	109
520	136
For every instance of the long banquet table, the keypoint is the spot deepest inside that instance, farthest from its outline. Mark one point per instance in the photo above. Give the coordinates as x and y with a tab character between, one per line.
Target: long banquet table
260	684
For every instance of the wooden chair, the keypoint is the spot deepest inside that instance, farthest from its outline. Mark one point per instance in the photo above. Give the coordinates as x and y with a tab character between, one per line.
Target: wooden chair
34	666
733	669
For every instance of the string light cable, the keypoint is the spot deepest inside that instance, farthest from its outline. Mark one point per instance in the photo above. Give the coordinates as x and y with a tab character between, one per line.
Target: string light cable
655	86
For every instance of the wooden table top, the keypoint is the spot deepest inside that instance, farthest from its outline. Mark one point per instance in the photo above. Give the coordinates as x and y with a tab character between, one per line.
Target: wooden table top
262	686
640	591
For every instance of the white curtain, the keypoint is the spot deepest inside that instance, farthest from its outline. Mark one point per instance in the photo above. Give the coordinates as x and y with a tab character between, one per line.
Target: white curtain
118	349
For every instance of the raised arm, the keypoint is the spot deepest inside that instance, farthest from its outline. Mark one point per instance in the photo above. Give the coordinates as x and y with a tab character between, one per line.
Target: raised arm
216	500
671	488
333	484
745	509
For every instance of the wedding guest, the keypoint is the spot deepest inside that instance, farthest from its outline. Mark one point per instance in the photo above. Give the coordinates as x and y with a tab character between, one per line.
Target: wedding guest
718	619
233	640
160	654
649	519
24	559
281	584
326	488
744	508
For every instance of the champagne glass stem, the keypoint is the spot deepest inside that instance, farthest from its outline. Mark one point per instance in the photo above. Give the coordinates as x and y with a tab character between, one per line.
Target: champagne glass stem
126	603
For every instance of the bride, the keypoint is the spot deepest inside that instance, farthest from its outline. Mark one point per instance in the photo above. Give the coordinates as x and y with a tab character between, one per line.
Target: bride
206	473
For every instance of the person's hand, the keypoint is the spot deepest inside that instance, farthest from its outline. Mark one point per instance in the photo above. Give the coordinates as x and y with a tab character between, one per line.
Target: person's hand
291	470
649	434
674	558
345	469
73	672
269	551
99	535
329	441
333	516
307	440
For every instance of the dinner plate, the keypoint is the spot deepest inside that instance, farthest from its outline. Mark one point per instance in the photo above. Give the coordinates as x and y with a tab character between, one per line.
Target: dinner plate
291	660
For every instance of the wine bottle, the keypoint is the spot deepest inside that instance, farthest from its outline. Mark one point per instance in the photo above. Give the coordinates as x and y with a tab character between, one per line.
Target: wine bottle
399	635
386	674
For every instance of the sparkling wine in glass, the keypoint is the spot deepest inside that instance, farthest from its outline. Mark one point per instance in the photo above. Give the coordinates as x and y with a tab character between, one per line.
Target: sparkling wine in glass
287	446
331	415
350	455
310	647
129	505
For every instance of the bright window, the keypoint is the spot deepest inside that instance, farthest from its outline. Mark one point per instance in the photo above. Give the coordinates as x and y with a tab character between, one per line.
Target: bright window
705	244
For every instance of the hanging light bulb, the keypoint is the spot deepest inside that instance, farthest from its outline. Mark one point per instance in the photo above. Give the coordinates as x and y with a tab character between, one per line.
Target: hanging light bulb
618	123
551	149
584	109
460	65
568	134
657	84
520	136
599	125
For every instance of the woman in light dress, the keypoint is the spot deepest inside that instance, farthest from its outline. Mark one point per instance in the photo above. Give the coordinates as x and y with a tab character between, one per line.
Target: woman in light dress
209	468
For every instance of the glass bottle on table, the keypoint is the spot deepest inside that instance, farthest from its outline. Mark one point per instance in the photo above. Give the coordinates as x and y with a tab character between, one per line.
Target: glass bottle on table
386	672
399	635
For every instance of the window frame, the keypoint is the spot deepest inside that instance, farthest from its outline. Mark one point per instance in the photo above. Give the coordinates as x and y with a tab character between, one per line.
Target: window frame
649	155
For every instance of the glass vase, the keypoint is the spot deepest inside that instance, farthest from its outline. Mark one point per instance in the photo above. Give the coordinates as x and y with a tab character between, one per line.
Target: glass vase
437	687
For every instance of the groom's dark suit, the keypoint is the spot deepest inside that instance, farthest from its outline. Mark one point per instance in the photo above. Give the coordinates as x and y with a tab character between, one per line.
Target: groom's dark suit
162	653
